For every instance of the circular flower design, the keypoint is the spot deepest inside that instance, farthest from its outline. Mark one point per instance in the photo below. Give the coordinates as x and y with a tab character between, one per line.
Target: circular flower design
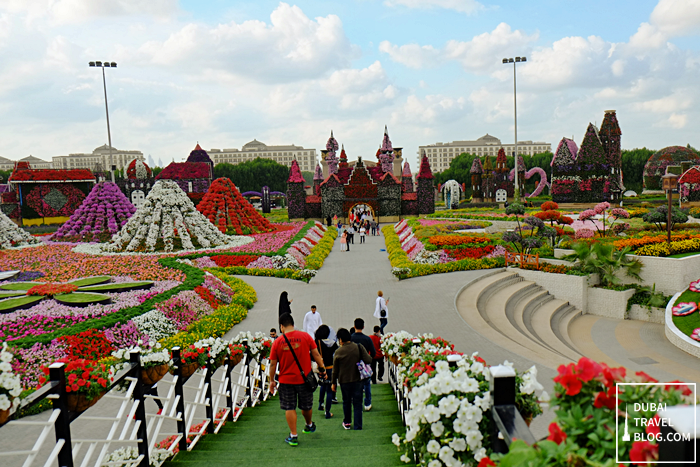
696	334
684	309
695	286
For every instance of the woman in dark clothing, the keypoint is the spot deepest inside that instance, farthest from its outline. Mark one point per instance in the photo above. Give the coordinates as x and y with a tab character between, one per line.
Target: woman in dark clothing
284	304
327	345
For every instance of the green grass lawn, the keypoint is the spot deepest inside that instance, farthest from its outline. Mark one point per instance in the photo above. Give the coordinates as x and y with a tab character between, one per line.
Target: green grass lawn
687	324
257	438
684	255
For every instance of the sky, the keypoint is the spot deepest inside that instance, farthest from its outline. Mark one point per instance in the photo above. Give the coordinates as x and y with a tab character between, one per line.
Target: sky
222	72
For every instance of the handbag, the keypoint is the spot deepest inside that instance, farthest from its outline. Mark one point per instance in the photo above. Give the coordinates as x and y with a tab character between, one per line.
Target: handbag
364	369
309	380
382	313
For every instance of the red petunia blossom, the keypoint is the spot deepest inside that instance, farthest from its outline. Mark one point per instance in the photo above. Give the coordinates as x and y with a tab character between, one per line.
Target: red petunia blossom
556	434
567	378
605	400
685	390
612	375
653	426
643	451
646	378
486	462
587	369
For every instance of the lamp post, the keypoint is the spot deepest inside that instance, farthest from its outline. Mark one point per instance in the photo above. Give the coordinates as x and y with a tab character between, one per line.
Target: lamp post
515	60
109	134
669	182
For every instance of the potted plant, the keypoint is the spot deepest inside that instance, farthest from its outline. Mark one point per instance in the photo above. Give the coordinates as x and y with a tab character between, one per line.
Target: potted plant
10	385
86	382
237	351
191	359
155	362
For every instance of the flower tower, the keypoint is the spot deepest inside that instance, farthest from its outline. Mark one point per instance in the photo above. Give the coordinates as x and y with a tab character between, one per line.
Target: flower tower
11	235
488	180
386	153
331	159
318	178
500	174
343	158
200	155
101	215
564	171
407	179
167	221
592	169
296	196
476	172
425	191
138	170
230	212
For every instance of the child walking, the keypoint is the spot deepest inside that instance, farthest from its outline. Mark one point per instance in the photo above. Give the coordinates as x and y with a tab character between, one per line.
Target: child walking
363	231
344	241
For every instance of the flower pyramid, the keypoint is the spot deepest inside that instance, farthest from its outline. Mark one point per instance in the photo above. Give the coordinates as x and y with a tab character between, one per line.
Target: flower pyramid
228	210
11	235
101	215
167	216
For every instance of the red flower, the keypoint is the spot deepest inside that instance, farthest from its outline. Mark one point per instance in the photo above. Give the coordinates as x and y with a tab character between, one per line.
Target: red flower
646	378
643	451
556	434
653	426
486	462
612	375
685	390
587	369
567	378
608	400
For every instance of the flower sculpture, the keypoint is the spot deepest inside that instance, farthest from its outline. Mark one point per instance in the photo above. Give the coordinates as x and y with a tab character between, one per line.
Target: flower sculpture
166	221
101	215
451	189
684	309
229	211
696	334
138	170
12	236
386	153
695	286
331	159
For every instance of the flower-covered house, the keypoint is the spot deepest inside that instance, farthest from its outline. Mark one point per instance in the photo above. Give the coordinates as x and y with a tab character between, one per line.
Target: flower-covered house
138	183
194	176
592	172
49	196
381	185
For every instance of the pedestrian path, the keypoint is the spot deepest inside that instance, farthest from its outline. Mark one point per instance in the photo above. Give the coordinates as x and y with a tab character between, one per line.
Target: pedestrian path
257	438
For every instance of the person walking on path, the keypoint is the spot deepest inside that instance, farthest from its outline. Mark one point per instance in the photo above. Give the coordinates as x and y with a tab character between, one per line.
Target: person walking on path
312	321
378	360
346	373
381	311
361	338
344	242
327	345
293	389
285	304
351	236
363	231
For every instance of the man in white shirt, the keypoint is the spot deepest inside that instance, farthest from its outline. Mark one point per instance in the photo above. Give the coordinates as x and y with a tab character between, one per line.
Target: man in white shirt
312	321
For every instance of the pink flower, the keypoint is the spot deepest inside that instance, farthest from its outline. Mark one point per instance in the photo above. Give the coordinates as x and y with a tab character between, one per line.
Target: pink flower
587	214
601	207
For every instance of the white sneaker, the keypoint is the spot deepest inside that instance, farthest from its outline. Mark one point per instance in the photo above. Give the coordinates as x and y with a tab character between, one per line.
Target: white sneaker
368	408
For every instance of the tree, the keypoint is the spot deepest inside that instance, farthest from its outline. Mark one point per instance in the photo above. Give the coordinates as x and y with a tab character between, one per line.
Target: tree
156	170
253	175
308	178
659	217
633	162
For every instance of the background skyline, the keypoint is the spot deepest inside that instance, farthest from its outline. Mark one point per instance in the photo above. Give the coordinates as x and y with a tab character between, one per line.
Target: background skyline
223	73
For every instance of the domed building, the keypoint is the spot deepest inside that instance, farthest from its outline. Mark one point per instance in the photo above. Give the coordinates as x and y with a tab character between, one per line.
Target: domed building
655	168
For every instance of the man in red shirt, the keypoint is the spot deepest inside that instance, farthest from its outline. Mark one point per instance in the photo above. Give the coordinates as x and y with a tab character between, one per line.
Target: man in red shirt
293	390
378	360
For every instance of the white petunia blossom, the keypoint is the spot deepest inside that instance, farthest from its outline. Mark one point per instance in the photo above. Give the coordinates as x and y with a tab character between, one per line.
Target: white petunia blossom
433	447
458	444
434	463
479	454
446	454
396	439
470	385
431	414
448	405
437	428
474	438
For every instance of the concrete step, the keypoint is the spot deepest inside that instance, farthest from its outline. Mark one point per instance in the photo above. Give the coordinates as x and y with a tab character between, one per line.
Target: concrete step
561	323
496	294
540	324
525	303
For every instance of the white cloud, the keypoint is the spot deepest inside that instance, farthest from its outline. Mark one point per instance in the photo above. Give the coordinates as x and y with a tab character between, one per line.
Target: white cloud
670	18
463	6
292	47
677	120
77	11
481	54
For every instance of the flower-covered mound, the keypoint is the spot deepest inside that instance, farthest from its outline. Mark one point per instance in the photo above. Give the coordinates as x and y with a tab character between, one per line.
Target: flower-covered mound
227	209
101	215
168	221
13	236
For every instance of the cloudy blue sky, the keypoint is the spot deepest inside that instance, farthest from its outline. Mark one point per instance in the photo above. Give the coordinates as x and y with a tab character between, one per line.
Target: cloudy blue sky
223	72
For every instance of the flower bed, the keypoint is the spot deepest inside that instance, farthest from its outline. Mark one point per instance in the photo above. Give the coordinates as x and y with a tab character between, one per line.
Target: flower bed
666	249
448	422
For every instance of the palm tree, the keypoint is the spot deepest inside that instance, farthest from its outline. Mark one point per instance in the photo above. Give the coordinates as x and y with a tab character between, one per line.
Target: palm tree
603	259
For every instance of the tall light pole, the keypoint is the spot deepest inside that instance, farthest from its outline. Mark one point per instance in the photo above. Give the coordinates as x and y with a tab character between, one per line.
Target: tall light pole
109	134
515	60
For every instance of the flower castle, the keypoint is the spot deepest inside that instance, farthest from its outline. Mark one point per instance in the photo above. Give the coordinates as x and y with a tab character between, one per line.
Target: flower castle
386	186
593	171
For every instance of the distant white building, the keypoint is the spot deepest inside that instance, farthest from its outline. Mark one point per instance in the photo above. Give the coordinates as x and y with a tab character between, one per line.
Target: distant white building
100	156
34	162
440	154
306	158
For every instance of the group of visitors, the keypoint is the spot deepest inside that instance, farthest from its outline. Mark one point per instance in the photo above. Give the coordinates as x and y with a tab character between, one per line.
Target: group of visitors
343	358
359	224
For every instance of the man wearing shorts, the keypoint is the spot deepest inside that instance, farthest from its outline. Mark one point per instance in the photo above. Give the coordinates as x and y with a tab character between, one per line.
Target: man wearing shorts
293	390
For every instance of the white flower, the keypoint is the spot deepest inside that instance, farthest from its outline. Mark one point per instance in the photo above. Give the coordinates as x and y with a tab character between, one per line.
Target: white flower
446	453
544	397
458	425
5	366
477	367
473	413
442	366
470	385
434	463
479	454
405	458
483	402
431	414
474	438
411	434
433	447
458	444
396	439
437	428
4	402
448	405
